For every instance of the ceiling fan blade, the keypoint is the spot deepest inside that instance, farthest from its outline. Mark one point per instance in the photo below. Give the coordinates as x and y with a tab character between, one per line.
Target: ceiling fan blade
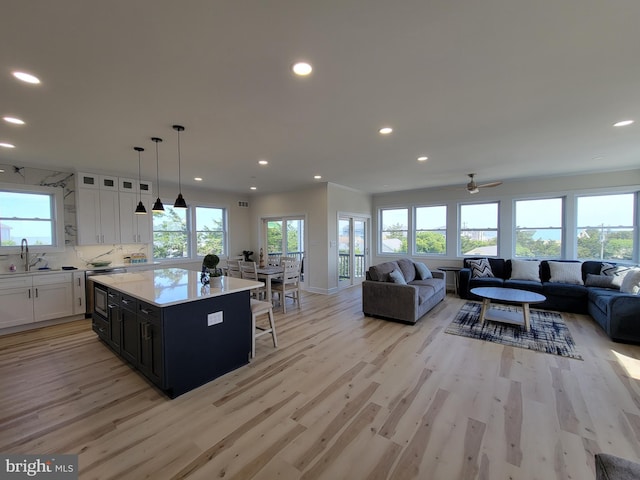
489	185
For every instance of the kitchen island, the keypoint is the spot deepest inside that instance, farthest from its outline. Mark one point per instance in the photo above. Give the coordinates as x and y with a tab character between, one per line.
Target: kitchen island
176	331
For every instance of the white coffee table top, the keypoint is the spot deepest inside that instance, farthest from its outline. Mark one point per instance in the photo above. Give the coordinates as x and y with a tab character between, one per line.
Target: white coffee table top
508	294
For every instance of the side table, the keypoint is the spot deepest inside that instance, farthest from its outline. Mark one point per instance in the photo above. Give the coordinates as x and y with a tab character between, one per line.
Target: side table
455	271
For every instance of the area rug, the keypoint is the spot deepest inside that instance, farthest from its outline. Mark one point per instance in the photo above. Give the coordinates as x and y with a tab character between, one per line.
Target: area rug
548	332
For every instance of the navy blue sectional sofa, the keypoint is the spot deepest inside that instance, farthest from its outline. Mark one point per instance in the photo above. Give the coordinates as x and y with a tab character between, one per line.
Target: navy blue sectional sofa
616	312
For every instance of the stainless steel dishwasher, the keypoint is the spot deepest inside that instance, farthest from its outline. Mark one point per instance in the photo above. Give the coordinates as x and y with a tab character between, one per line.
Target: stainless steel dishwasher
89	285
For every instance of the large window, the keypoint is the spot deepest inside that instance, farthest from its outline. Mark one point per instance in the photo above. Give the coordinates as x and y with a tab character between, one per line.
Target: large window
32	213
191	233
538	231
170	234
479	229
606	226
210	231
394	231
431	230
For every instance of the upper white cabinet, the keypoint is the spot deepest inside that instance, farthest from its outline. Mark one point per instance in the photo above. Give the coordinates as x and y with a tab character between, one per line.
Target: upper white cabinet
135	228
105	208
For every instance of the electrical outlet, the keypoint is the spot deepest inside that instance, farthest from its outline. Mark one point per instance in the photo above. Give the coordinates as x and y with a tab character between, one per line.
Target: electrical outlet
214	319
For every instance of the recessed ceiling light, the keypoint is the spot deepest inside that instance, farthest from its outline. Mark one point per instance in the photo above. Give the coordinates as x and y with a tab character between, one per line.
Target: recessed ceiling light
263	162
317	177
385	130
197	179
1	170
623	123
423	159
253	188
14	120
7	145
302	69
26	77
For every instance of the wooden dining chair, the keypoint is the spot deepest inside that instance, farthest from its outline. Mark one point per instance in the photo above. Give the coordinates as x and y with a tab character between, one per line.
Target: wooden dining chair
233	269
261	308
248	271
288	285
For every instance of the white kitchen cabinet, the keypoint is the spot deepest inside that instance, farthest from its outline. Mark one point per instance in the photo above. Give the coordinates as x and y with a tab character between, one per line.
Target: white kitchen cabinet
52	296
33	298
16	302
98	216
135	228
79	293
105	209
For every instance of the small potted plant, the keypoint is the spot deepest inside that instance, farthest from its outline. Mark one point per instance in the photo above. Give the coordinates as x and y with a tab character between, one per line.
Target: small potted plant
211	271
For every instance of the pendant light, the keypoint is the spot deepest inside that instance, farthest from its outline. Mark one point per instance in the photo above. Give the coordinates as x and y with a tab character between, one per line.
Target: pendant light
157	207
140	210
180	203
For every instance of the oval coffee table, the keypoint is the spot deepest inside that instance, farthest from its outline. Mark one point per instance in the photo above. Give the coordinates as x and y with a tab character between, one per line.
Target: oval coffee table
510	295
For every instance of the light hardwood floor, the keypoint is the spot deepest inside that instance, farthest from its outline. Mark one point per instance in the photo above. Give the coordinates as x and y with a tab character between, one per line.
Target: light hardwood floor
343	397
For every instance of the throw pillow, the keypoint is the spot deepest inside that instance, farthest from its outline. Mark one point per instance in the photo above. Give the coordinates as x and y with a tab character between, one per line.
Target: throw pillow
397	277
617	272
423	271
480	267
631	282
525	270
566	272
602	281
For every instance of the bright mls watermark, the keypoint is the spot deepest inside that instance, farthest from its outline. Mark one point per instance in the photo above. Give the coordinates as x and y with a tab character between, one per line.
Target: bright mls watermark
50	467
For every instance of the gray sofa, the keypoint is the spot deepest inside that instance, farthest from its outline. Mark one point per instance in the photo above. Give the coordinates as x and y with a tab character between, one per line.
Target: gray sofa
404	303
616	312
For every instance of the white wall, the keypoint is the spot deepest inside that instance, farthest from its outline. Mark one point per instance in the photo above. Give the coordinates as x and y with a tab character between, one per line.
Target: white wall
567	186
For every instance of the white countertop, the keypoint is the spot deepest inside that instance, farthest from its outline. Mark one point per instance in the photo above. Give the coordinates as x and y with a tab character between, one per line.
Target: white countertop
171	286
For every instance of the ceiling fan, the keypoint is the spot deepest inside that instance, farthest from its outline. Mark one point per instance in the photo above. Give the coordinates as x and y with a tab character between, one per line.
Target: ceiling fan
473	187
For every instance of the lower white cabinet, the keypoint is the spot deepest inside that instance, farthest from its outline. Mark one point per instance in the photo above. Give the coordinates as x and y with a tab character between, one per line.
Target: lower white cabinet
16	302
34	298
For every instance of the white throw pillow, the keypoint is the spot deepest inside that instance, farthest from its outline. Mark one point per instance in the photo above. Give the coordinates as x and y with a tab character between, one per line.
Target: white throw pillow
525	270
631	282
566	272
616	272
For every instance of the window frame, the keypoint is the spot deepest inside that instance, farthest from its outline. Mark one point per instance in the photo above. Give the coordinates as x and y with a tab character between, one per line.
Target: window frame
192	233
224	230
496	229
381	230
56	204
415	231
635	218
562	228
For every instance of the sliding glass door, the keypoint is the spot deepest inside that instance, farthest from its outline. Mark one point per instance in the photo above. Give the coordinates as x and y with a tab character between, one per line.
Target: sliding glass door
353	250
284	237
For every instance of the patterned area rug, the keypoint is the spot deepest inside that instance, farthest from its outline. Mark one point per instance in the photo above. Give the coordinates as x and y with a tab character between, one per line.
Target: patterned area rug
548	331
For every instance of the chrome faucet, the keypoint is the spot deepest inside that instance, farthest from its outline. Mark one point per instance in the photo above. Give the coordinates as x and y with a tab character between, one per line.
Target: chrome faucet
24	254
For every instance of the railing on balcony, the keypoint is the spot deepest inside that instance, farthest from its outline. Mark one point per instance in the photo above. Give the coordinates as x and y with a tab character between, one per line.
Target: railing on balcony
343	266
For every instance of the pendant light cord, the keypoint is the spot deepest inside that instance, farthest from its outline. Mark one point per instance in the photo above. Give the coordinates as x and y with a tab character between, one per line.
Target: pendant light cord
179	166
157	168
139	177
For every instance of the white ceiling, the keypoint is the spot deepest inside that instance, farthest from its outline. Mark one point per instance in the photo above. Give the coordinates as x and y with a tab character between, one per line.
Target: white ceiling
505	88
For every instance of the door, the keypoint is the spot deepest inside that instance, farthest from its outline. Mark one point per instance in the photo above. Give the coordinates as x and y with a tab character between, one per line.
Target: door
285	237
353	250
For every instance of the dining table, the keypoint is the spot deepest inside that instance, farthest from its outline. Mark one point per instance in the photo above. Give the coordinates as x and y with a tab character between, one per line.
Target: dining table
267	273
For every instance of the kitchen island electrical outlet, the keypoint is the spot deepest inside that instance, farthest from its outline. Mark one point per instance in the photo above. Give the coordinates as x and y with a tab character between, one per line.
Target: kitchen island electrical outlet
214	319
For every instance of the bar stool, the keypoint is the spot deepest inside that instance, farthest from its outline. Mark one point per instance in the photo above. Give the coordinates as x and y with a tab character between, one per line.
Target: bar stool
258	308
